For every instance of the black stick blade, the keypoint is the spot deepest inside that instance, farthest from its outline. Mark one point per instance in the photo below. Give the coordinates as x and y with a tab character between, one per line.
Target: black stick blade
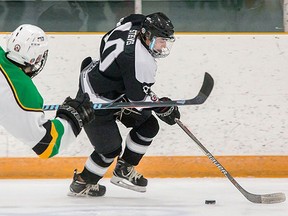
208	84
205	90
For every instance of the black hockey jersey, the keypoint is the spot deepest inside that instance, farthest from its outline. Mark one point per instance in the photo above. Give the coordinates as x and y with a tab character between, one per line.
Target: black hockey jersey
125	65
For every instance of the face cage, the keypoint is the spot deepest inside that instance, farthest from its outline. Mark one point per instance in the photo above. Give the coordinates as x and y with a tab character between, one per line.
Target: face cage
38	67
165	51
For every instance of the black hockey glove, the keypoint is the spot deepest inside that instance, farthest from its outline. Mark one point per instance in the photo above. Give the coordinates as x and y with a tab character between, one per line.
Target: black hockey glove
167	114
78	112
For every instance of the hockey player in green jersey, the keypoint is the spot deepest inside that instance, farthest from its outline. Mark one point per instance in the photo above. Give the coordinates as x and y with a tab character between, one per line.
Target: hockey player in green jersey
21	103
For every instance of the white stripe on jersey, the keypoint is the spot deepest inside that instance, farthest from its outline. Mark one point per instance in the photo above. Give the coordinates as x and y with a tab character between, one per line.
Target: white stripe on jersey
119	48
86	86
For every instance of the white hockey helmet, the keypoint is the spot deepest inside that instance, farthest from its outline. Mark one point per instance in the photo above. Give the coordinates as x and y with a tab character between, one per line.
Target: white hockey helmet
28	46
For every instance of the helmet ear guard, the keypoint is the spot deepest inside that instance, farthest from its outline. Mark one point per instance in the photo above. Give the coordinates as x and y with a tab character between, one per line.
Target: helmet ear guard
27	46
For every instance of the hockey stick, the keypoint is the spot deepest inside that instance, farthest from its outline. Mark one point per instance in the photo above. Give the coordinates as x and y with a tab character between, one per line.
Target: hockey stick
201	97
255	198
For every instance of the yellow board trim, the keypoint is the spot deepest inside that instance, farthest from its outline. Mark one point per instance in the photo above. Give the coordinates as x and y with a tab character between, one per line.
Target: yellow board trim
151	167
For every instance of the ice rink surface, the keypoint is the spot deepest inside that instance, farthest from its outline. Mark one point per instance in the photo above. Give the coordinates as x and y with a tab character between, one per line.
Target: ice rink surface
164	197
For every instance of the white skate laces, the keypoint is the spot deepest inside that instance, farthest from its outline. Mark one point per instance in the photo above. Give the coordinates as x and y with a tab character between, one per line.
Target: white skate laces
132	174
127	177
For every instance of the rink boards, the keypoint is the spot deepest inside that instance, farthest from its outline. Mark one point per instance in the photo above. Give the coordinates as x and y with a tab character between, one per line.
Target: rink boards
152	167
243	123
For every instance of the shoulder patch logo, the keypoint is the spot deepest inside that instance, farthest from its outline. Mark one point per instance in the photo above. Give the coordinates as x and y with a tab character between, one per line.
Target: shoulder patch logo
17	48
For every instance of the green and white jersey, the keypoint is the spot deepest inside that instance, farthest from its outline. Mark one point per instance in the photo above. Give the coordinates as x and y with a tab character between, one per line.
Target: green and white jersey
22	116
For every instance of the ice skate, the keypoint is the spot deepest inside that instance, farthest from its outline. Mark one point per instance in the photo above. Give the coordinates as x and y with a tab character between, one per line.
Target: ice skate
80	188
125	175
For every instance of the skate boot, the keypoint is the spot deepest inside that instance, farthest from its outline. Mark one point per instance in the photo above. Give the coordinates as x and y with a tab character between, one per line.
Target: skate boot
125	175
79	187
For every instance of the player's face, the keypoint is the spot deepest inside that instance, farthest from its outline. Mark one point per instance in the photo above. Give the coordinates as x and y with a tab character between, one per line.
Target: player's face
160	44
33	69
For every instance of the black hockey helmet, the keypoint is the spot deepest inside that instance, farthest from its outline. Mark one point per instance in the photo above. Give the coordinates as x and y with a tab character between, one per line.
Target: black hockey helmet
157	25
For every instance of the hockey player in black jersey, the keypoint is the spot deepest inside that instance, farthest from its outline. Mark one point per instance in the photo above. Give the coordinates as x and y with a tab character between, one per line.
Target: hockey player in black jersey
125	72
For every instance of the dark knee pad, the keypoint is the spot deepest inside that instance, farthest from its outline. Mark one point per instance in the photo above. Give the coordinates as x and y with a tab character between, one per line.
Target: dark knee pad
114	153
149	128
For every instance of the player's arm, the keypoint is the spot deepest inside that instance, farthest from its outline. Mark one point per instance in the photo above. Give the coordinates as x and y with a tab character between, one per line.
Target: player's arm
71	116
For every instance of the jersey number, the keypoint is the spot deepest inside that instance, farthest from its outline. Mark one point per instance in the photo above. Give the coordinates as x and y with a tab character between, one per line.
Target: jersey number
119	47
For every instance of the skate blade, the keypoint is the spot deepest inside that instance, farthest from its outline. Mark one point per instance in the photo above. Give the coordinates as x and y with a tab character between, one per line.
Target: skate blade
126	184
73	194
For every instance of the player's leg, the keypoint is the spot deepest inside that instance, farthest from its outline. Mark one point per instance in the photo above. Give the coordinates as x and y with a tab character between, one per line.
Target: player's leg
137	143
104	135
